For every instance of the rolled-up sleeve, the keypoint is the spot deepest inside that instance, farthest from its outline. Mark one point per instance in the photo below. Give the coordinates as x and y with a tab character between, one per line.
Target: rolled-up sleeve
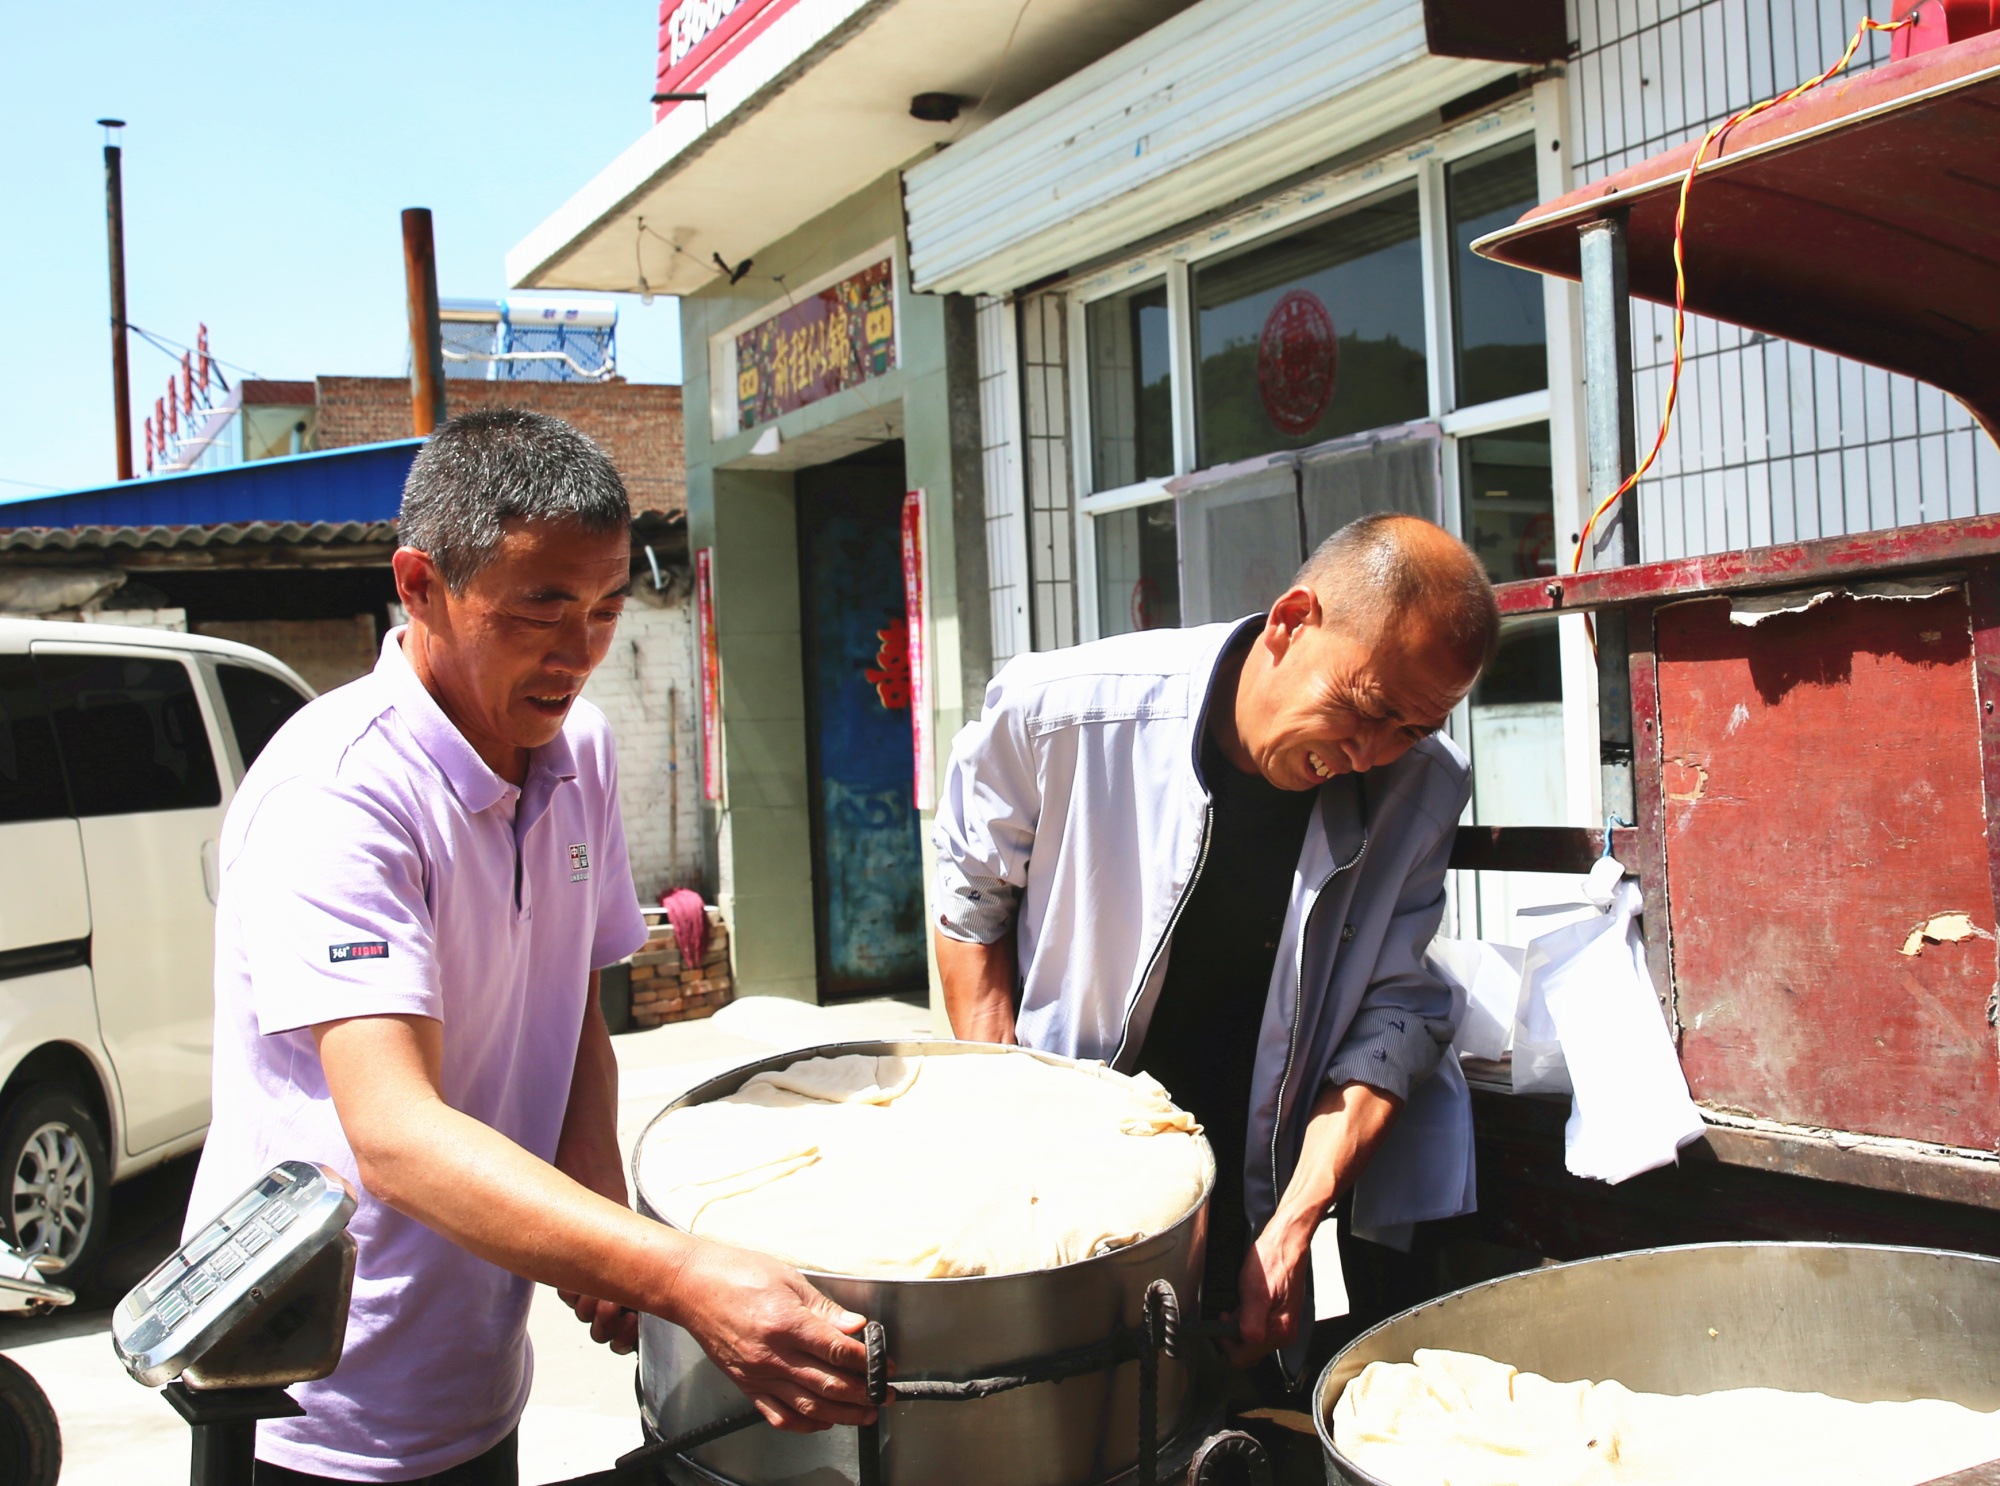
986	818
1404	1023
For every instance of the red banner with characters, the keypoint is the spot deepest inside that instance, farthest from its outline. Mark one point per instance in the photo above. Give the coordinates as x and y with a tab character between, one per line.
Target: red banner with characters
699	37
711	674
916	615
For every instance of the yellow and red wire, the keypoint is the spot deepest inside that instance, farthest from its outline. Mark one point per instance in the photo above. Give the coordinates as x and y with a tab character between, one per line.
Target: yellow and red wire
1868	23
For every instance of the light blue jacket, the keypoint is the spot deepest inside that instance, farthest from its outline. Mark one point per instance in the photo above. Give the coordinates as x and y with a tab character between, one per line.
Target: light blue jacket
1074	814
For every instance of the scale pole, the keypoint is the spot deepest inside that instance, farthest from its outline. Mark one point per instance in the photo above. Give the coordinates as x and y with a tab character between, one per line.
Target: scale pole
223	1423
114	221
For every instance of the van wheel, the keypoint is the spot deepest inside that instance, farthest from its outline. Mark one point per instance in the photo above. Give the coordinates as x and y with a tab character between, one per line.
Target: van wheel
54	1179
30	1441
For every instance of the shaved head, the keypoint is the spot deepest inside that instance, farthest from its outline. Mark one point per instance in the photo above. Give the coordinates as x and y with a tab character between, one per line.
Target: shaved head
1399	576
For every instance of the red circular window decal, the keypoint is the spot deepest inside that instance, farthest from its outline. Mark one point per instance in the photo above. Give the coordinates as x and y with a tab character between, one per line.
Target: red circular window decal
1298	359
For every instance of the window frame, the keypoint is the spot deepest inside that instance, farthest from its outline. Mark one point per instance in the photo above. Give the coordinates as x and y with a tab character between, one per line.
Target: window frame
1315	199
1116	498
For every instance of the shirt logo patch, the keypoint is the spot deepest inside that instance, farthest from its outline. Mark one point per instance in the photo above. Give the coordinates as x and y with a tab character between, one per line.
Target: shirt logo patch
579	862
366	949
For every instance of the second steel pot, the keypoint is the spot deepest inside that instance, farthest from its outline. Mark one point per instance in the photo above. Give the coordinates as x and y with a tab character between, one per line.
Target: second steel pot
1075	1433
1856	1321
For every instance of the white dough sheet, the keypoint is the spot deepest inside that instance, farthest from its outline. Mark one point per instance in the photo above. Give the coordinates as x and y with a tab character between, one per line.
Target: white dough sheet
929	1167
1455	1419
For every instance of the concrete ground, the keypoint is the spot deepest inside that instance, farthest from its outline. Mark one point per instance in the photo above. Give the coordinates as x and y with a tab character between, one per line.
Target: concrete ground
581	1415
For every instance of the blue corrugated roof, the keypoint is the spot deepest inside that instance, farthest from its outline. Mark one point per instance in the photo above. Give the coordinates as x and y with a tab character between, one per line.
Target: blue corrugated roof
364	483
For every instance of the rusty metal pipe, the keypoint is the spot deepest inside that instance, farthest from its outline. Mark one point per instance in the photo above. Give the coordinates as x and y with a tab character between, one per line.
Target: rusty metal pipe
114	222
426	340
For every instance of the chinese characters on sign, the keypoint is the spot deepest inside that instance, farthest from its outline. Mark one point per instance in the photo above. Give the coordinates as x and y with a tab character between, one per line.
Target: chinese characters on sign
711	713
826	343
915	603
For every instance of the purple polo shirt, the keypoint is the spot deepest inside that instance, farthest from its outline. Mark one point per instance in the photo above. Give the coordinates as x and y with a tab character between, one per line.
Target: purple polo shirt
372	864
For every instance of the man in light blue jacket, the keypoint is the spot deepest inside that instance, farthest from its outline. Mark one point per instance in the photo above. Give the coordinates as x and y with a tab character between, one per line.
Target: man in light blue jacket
1218	855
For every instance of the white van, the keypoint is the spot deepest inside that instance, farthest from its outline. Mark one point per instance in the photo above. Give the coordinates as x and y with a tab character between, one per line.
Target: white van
119	752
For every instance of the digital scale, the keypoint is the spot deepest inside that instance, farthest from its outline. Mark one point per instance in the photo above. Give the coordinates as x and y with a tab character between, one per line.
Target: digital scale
256	1300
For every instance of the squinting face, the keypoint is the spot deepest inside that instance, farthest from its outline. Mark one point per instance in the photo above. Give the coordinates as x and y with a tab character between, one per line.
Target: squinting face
507	657
1325	704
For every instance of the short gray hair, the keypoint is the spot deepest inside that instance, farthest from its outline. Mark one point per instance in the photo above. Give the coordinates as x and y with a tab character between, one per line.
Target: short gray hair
1386	567
485	467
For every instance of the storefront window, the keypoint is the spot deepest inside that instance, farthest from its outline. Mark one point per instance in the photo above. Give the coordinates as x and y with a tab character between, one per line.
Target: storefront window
1131	402
1509	502
1517	711
1500	342
1138	569
1312	336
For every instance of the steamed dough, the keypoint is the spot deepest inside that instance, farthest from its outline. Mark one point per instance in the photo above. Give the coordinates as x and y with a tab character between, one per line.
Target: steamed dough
1454	1419
929	1167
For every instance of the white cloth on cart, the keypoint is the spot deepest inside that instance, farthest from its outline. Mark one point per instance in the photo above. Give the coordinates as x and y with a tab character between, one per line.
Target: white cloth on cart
1590	1024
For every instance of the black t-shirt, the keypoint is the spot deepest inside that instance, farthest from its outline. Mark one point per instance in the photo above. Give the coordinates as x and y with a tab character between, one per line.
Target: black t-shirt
1202	1041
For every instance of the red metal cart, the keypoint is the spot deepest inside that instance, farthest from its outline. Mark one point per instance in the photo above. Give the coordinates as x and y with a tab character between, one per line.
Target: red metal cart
1813	791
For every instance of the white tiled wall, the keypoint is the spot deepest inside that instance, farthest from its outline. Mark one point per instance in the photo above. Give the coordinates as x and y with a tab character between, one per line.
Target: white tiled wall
1006	494
648	677
1772	442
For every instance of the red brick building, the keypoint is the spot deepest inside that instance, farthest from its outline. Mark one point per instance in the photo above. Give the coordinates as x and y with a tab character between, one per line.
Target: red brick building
637	423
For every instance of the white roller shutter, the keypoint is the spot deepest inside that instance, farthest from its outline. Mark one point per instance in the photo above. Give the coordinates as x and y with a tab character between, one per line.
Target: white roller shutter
1224	99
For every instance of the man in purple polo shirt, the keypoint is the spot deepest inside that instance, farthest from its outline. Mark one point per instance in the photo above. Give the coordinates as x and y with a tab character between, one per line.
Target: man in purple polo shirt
421	877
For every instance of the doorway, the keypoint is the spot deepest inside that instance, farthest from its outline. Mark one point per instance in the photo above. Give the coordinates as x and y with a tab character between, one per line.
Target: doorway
868	890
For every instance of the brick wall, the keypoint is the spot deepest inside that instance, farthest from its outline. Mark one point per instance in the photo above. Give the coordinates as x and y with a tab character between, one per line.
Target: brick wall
665	988
648	675
325	652
637	423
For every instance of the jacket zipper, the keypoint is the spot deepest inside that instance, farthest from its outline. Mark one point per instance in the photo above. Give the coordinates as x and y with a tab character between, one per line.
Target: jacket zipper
1298	1013
1200	861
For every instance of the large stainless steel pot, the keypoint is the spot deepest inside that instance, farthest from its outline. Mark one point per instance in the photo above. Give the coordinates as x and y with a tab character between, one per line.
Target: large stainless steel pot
1074	1433
1855	1321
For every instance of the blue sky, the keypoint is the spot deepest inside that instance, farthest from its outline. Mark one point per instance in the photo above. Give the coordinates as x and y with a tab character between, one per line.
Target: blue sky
269	152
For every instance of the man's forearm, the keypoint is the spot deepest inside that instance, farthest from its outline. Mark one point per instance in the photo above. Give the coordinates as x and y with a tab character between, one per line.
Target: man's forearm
1348	1123
467	1181
978	984
588	1147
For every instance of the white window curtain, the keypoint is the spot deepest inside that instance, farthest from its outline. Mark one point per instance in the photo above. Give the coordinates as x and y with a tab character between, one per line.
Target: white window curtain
1245	528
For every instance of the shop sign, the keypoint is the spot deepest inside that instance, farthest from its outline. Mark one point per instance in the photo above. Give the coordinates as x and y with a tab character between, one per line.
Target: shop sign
697	36
916	614
825	343
711	674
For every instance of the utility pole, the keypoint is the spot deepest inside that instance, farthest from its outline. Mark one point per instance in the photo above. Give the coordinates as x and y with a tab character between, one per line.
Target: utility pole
426	339
114	219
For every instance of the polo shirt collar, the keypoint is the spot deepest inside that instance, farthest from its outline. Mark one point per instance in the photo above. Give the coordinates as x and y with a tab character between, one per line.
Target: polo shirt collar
477	786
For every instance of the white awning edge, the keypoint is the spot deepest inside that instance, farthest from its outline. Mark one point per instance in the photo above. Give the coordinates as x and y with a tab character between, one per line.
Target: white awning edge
737	91
1168	127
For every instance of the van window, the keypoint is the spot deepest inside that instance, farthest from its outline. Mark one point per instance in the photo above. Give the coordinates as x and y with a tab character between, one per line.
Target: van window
31	781
131	733
259	704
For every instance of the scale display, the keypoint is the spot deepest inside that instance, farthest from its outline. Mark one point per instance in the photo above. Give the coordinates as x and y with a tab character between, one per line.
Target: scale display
219	1280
